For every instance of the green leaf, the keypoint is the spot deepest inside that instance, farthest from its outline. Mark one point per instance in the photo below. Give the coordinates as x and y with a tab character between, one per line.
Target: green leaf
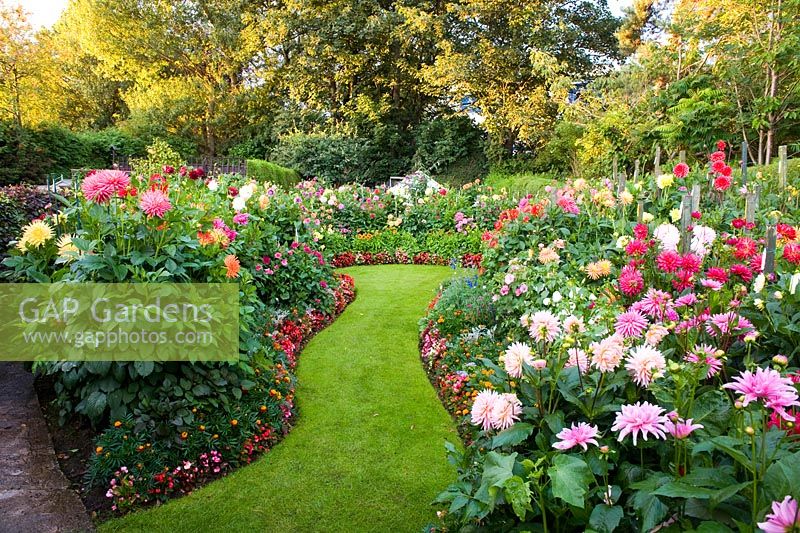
95	404
144	368
677	489
512	436
518	493
723	494
606	518
571	478
783	477
650	509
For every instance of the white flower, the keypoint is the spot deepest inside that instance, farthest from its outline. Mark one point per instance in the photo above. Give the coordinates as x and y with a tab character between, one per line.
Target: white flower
557	297
213	185
758	284
247	191
702	236
238	204
668	236
623	241
647	218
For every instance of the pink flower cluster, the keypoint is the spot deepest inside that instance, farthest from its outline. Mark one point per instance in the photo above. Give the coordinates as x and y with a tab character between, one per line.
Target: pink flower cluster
493	410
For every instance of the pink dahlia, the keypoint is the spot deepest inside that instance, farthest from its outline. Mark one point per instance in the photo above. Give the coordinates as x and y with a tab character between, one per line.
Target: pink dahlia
482	408
640	231
506	411
544	326
241	218
729	323
784	517
607	354
680	429
717	274
791	252
766	385
668	261
568	205
681	170
631	281
103	185
718	155
655	334
645	363
631	324
577	357
706	355
655	304
636	247
154	203
581	434
641	417
722	183
515	355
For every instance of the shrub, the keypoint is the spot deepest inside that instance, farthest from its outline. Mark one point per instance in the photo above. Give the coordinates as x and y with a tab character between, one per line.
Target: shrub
451	149
334	158
265	171
11	220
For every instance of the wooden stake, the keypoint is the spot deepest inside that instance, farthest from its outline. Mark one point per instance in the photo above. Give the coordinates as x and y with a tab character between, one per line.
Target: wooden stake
783	166
750	207
696	197
639	211
636	171
686	221
657	170
682	156
769	252
614	168
744	162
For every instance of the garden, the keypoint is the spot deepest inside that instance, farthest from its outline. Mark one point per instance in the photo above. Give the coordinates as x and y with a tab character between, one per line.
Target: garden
492	266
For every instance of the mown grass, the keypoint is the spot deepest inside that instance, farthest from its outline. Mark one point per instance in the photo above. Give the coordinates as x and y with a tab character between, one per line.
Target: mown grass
367	453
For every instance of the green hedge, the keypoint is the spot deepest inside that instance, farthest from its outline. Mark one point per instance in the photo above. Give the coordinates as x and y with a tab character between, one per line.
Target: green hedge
266	171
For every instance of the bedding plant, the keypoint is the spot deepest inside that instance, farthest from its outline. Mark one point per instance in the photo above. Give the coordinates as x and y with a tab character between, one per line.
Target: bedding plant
624	374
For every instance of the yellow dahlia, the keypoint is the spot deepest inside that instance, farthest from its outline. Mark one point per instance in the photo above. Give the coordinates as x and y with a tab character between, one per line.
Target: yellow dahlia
66	248
35	234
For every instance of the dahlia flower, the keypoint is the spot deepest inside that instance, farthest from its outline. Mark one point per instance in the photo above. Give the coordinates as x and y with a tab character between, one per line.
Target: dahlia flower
544	326
631	281
607	354
67	250
103	185
598	269
505	411
668	236
232	266
515	355
791	252
573	324
581	435
35	234
707	355
577	357
766	385
154	203
641	417
784	517
645	363
630	324
680	429
655	334
482	409
681	170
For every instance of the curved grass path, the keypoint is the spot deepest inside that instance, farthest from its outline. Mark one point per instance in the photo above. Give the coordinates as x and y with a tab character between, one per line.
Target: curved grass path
367	453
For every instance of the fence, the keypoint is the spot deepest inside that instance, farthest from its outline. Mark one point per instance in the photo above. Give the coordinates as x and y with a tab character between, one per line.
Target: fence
213	166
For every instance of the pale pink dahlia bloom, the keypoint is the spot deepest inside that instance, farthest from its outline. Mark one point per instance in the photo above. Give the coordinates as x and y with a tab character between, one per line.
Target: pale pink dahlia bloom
707	355
680	429
644	363
577	357
544	326
482	408
581	434
630	324
641	417
506	411
515	355
784	517
607	354
154	203
573	324
103	185
766	385
655	334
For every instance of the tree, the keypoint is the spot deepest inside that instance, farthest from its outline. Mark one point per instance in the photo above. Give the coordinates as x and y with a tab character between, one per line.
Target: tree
16	65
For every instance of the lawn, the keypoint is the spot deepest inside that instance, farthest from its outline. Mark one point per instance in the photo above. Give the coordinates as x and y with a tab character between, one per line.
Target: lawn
367	453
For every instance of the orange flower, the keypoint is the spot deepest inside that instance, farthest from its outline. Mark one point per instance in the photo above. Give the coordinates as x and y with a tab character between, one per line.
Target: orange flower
232	265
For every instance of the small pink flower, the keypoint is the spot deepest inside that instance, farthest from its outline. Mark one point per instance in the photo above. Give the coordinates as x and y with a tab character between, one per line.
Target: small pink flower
607	354
680	429
681	170
644	363
505	411
631	281
515	355
581	434
784	517
641	417
577	357
241	218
